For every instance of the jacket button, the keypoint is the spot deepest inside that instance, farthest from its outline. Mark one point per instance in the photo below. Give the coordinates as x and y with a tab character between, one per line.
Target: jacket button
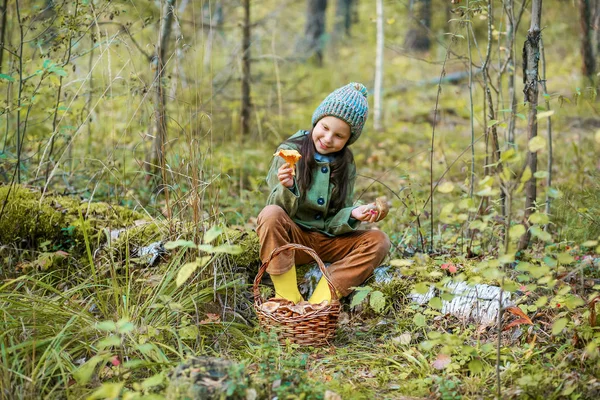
321	201
324	170
318	216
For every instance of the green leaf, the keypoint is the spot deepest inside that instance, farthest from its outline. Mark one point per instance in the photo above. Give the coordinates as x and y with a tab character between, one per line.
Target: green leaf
419	320
213	233
541	174
536	144
207	248
359	295
421	288
516	231
111	341
475	366
539	218
559	325
492	122
153	381
7	77
188	269
509	155
179	243
124	326
589	243
59	71
84	373
377	301
47	63
228	249
573	301
436	303
542	301
188	332
554	193
506	258
539	233
109	326
565	258
108	390
401	263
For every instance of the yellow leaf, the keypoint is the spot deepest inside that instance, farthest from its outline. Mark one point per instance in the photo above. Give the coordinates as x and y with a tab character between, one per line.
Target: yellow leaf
446	187
545	114
536	144
516	231
526	174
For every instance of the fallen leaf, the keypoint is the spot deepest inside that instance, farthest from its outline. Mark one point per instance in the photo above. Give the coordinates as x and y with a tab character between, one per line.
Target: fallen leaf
442	361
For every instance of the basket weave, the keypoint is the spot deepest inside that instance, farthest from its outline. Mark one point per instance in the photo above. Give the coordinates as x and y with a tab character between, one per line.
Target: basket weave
315	328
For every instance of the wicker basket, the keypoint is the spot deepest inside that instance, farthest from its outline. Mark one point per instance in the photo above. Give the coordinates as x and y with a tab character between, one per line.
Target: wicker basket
313	328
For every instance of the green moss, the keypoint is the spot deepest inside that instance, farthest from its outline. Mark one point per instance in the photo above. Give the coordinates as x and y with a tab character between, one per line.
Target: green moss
248	241
27	222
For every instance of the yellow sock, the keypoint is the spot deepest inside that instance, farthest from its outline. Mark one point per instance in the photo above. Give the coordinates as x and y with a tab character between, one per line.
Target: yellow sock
286	286
321	292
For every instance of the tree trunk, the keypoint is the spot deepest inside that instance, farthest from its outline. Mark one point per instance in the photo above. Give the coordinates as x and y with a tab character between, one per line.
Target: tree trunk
587	54
158	151
246	105
315	28
417	37
379	66
531	57
3	31
343	18
510	67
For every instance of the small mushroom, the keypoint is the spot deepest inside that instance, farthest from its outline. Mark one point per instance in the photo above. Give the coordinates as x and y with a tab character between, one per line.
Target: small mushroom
291	157
270	306
383	207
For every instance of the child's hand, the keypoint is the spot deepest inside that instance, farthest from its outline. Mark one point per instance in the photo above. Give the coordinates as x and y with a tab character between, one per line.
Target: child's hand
366	213
284	174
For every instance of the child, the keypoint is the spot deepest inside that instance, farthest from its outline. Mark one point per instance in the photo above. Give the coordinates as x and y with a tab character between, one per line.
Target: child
314	206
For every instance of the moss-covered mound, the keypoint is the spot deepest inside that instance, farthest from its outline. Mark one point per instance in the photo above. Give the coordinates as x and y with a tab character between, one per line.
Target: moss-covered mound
57	222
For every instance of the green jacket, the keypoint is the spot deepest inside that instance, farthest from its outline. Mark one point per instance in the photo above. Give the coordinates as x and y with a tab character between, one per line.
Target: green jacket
313	213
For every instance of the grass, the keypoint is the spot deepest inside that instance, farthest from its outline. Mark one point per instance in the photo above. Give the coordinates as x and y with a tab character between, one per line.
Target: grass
66	332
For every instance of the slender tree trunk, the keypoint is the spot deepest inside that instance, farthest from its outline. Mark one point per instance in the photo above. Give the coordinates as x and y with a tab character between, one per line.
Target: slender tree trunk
596	26
510	67
587	54
315	28
246	104
550	153
379	67
3	32
159	153
531	57
343	18
417	37
20	139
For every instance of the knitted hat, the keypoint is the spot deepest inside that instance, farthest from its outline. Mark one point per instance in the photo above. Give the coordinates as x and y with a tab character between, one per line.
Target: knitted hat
348	103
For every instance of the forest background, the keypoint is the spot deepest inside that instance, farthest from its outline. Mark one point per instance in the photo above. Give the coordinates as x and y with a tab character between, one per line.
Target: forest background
136	139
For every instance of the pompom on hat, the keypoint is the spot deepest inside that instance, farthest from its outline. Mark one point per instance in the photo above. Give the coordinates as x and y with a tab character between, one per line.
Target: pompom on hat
348	103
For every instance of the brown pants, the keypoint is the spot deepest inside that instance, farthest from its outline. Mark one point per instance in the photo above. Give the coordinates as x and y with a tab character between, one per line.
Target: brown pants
354	256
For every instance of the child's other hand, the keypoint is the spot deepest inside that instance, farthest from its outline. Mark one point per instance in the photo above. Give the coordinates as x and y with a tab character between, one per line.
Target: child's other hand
365	213
284	174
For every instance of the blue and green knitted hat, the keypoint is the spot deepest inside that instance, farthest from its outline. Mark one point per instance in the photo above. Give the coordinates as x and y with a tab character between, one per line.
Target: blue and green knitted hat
348	103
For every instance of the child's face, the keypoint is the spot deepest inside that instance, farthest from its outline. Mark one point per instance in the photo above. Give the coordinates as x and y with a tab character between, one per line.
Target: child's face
330	135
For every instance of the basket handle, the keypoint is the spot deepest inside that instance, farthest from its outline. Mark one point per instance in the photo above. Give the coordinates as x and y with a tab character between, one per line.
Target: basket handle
291	246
